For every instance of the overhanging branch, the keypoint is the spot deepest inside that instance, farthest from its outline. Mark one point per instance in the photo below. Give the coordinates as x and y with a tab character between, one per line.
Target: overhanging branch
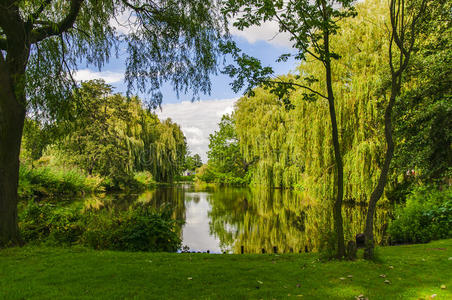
297	85
53	29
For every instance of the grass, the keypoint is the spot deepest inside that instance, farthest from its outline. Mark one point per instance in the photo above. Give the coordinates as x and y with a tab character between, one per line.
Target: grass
417	271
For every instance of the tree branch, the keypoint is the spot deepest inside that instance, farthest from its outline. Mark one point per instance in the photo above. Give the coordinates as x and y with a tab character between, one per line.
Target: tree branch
297	85
34	16
53	29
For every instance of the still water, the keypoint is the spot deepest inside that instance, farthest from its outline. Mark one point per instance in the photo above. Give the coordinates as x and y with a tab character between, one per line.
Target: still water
225	219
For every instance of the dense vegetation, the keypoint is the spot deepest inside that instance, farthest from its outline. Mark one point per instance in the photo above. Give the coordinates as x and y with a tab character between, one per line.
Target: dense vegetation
43	42
112	140
290	146
139	229
226	164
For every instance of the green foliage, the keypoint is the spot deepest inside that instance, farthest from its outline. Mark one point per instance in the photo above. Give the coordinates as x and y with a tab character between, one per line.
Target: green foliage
138	229
226	164
46	223
145	178
173	41
48	181
307	23
426	216
422	125
192	162
114	137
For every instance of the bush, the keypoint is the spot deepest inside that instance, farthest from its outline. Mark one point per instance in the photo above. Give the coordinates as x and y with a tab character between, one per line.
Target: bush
139	229
144	178
426	216
47	181
45	223
208	174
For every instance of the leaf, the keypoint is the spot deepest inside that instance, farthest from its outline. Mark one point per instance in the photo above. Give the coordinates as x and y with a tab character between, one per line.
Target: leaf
443	286
387	281
189	278
260	282
382	275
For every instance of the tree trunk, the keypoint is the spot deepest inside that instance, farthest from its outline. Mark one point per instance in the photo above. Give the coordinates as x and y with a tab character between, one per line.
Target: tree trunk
12	116
379	189
337	207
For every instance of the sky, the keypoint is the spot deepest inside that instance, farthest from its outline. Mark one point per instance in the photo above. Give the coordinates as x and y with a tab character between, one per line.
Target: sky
200	118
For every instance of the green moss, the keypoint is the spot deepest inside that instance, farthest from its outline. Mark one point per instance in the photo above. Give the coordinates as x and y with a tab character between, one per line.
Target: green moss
74	273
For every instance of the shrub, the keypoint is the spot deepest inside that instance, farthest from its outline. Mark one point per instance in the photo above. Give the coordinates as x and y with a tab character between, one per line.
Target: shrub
138	229
426	216
49	181
144	178
45	223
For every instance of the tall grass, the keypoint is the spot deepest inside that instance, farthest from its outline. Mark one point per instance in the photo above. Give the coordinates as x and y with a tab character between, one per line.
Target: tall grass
48	181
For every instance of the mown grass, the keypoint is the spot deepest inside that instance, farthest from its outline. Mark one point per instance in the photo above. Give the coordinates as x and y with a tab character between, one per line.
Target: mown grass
418	271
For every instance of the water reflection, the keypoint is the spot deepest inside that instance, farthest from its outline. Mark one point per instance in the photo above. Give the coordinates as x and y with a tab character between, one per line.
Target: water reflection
224	219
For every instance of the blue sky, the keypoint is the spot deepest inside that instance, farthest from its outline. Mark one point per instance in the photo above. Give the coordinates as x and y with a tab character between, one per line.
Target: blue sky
199	119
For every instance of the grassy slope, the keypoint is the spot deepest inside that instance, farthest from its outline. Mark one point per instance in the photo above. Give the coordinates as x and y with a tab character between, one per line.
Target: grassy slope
55	273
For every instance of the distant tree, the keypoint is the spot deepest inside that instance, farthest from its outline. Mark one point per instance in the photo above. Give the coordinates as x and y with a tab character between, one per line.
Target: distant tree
197	161
225	160
42	41
311	25
192	162
114	136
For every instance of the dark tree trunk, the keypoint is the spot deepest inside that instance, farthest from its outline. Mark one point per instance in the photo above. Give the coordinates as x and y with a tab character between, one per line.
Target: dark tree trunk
379	189
12	116
337	207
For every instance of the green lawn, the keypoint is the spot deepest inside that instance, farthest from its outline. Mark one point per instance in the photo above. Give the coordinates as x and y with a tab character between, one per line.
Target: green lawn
414	271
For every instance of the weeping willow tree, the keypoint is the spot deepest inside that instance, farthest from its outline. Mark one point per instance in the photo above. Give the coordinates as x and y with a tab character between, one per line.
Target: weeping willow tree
293	148
114	136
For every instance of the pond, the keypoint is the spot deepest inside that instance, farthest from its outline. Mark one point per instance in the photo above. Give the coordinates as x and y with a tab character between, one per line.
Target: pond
226	219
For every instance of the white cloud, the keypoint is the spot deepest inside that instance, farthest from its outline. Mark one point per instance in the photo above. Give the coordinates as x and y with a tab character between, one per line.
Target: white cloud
108	76
197	120
268	32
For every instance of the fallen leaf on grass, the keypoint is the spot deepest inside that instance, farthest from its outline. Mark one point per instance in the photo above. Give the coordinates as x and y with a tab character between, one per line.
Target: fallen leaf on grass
443	286
260	282
391	267
342	278
349	276
382	275
387	281
361	297
189	278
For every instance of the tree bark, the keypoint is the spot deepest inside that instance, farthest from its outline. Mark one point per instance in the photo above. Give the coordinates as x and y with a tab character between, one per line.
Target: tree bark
379	189
337	207
12	116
